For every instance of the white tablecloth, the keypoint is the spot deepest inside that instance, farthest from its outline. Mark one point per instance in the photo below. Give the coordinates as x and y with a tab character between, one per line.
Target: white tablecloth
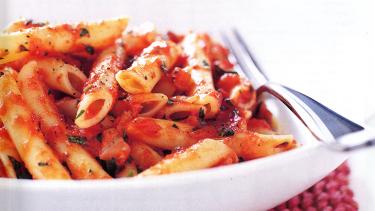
324	48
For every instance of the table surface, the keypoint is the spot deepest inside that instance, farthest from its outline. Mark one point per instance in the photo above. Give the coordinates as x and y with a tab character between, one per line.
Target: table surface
321	48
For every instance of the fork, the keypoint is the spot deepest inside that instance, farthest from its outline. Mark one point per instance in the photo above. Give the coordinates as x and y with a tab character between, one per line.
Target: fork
335	131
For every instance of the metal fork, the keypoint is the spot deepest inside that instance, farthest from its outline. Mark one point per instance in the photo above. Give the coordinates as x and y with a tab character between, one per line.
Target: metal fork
337	132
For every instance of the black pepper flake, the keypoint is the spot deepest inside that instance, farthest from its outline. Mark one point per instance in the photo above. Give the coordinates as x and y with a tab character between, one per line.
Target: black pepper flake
84	32
89	49
43	163
77	139
1	58
23	48
145	77
49	92
175	126
225	132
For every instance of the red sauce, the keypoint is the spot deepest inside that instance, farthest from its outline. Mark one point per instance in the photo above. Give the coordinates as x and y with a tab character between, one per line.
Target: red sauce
146	126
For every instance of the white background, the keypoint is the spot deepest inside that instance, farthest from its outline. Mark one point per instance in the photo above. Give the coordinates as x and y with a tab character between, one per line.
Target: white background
324	48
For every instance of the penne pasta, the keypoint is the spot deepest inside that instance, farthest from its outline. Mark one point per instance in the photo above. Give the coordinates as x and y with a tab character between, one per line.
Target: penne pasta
63	38
101	90
147	69
129	170
62	76
68	107
199	67
79	162
160	133
205	154
178	110
30	143
249	145
7	149
143	155
150	103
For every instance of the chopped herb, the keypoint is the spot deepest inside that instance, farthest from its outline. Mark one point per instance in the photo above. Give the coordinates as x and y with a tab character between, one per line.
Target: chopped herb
87	88
174	125
227	100
43	163
89	49
205	63
170	102
225	132
84	32
163	66
130	174
23	48
125	136
1	74
99	137
77	139
201	114
80	114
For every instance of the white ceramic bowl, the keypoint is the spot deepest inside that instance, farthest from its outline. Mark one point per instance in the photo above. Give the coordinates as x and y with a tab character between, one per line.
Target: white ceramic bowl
254	185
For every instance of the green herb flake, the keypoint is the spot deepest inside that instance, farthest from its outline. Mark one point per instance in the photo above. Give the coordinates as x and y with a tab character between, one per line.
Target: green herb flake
175	126
77	139
205	63
90	50
43	163
170	102
80	114
225	132
84	32
99	137
125	136
87	88
201	114
130	174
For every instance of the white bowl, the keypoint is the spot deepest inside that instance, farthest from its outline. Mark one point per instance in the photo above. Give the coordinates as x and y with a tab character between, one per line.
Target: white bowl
254	185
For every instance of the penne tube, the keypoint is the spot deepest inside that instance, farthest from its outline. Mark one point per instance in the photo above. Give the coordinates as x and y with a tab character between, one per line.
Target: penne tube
22	24
8	166
101	90
79	162
160	133
243	96
147	69
178	110
7	149
138	38
62	76
164	86
143	155
63	38
151	103
29	142
249	145
205	154
199	67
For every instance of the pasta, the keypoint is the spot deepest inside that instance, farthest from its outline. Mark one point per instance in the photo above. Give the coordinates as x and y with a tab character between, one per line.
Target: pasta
101	101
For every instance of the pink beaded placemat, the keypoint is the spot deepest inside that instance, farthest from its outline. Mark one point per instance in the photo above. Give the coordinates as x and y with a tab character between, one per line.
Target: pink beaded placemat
331	193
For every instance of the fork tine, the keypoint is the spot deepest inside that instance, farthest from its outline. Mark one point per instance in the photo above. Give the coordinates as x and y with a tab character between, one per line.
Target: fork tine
248	52
244	61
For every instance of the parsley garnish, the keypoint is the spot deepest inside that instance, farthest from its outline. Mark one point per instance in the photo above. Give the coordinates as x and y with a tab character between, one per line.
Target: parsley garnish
201	114
125	136
130	174
84	32
225	132
99	137
87	88
170	102
77	139
89	49
80	114
174	125
205	63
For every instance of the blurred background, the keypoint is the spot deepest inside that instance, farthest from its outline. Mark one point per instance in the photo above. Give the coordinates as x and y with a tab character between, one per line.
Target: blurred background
324	48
